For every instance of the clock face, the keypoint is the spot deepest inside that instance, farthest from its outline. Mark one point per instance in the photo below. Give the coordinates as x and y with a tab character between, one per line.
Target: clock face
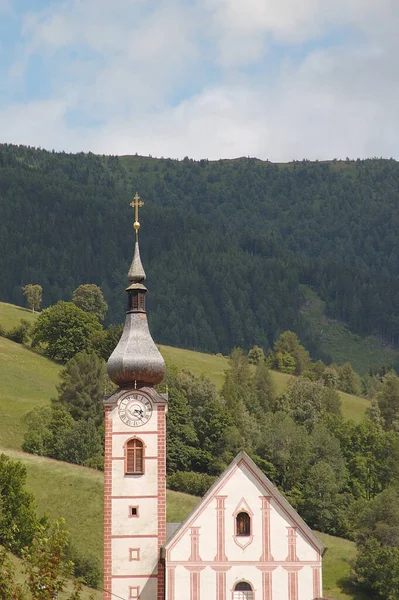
135	410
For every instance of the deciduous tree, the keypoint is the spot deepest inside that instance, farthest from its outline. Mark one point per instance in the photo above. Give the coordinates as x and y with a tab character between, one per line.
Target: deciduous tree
17	509
288	345
46	566
388	401
63	330
89	298
9	589
34	295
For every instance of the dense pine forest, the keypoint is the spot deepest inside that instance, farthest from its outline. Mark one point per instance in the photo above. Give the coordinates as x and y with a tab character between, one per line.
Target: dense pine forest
226	244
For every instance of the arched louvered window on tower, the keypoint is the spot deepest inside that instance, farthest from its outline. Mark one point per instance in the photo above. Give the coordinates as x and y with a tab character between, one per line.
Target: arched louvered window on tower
134	457
243	524
243	591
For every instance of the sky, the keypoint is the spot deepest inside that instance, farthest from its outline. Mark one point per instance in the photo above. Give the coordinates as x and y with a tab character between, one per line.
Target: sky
274	79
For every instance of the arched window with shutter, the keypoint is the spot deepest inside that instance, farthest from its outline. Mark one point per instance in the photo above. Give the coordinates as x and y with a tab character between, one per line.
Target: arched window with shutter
243	524
243	591
134	457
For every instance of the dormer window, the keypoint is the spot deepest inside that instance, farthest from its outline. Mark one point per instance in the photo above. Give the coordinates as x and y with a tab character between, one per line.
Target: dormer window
134	457
243	524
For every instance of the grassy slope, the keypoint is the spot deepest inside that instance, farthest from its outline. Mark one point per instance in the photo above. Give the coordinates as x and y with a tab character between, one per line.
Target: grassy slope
10	315
339	342
353	407
26	380
336	569
52	483
199	363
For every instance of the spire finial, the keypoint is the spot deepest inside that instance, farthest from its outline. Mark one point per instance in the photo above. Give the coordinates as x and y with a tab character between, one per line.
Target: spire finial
136	203
136	272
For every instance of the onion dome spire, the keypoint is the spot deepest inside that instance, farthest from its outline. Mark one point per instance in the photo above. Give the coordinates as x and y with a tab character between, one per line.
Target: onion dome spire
136	361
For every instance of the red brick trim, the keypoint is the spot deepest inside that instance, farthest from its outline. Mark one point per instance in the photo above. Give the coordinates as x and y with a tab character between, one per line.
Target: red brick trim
145	458
131	497
146	576
161	497
108	505
130	432
119	537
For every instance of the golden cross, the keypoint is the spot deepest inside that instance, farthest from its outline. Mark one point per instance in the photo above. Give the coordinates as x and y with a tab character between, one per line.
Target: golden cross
136	204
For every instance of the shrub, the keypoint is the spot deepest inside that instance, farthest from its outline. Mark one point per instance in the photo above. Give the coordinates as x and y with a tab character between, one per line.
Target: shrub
20	333
190	482
85	567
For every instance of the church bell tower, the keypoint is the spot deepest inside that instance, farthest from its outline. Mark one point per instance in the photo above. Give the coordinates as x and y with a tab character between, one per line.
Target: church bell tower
135	454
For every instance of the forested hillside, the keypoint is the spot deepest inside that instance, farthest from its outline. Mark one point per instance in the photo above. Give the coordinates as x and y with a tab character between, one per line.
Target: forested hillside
226	244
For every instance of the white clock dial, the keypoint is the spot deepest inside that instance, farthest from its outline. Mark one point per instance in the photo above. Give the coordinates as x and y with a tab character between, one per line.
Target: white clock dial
135	410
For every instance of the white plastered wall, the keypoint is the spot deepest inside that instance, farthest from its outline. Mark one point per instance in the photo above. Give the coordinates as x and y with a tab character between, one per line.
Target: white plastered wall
243	562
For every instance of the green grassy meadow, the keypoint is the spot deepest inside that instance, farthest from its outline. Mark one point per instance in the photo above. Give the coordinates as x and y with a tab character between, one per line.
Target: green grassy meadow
337	567
11	315
26	380
199	363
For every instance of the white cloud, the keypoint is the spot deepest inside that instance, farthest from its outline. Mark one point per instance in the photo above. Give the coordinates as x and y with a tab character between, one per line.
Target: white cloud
141	69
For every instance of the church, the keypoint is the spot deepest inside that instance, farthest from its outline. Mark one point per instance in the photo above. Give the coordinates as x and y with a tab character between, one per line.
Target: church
243	541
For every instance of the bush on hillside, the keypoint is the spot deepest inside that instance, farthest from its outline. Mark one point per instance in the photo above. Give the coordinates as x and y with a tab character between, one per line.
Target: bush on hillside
190	482
20	333
86	567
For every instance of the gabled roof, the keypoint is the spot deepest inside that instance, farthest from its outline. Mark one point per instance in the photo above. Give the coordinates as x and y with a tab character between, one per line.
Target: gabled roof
285	506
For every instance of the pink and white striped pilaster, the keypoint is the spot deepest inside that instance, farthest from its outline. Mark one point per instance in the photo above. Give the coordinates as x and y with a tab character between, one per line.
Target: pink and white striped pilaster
316	582
266	552
220	528
292	557
194	534
171	583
